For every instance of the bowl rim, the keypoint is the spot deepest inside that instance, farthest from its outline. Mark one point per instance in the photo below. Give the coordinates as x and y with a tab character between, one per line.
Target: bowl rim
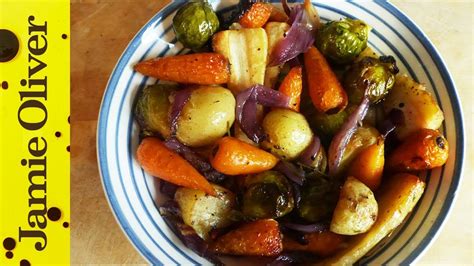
439	62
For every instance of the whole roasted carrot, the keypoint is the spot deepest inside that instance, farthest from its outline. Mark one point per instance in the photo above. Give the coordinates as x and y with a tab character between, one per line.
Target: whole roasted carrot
325	90
367	167
235	157
157	160
256	16
258	238
321	243
292	85
201	68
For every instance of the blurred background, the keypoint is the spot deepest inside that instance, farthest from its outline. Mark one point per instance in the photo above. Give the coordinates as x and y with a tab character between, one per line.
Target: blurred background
100	31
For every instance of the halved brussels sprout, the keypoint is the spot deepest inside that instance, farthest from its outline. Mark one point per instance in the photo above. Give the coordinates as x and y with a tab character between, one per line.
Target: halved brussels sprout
375	75
266	195
318	199
195	23
342	41
151	109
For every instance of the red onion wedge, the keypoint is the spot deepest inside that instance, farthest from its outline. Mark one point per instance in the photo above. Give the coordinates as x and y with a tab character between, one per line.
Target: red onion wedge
343	136
310	153
201	164
307	228
246	109
181	97
291	171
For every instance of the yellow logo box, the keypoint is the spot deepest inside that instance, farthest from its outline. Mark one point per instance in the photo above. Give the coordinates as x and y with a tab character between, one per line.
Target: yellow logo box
34	132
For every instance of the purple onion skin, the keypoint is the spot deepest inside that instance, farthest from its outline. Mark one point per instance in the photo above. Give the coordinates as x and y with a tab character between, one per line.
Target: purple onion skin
310	153
298	39
167	188
246	109
307	228
291	171
201	164
343	136
181	97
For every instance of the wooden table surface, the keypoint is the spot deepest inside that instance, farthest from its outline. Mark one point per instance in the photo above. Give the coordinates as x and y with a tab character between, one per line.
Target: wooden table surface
101	29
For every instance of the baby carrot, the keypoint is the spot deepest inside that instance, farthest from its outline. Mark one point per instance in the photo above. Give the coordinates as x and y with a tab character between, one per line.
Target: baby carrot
367	167
203	68
321	243
325	90
157	160
292	85
256	16
235	157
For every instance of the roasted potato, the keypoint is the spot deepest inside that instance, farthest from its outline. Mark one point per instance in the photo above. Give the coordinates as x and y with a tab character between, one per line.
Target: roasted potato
204	212
258	238
419	108
288	133
425	149
206	117
356	211
397	199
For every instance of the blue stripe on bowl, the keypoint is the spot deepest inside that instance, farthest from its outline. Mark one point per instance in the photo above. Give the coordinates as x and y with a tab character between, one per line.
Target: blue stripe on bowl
102	133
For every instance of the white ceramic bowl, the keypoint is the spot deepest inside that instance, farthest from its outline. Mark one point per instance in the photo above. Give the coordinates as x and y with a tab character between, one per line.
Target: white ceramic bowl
132	194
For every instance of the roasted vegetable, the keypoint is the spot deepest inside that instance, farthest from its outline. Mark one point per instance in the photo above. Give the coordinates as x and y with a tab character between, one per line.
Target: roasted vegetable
318	199
207	116
342	41
363	137
152	107
372	76
235	157
320	243
368	165
258	238
419	108
256	16
195	23
397	199
292	86
327	125
156	159
204	212
425	149
356	211
325	91
246	50
275	33
204	69
288	133
266	195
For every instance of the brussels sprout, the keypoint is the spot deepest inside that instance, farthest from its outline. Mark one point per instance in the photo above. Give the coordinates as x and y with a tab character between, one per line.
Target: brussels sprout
151	109
375	75
194	24
288	133
318	199
327	125
266	195
342	41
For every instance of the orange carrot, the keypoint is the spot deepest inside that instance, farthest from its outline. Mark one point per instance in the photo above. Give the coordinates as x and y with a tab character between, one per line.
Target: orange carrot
292	85
203	68
157	160
235	157
321	243
368	165
425	149
258	238
325	90
256	16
